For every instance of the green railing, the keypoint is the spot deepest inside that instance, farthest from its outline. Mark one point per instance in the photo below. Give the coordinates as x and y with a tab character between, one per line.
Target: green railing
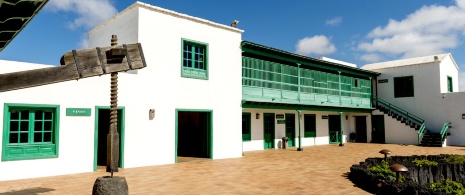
444	130
392	108
421	131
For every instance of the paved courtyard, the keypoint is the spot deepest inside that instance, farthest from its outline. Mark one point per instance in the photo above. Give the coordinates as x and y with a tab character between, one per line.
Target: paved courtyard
315	170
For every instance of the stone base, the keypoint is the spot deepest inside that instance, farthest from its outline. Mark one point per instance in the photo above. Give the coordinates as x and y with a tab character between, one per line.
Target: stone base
110	186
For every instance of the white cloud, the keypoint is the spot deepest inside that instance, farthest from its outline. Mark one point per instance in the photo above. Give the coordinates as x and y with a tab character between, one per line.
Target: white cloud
334	21
461	80
372	57
89	13
84	42
429	30
318	44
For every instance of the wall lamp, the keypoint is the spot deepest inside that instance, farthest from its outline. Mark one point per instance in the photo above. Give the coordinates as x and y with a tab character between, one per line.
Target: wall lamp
257	116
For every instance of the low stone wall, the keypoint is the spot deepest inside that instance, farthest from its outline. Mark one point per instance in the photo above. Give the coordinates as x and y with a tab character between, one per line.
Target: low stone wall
417	178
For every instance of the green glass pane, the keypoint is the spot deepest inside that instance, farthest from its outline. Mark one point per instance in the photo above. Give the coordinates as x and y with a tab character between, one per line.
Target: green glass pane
24	126
14	126
38	126
47	125
13	138
38	114
48	137
48	115
25	114
14	114
38	137
23	137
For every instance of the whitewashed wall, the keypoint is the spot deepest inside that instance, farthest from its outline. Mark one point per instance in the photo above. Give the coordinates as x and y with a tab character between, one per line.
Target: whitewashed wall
396	132
76	133
160	86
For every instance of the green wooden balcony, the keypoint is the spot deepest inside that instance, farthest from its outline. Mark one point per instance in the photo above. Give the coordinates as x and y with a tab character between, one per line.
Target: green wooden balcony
266	81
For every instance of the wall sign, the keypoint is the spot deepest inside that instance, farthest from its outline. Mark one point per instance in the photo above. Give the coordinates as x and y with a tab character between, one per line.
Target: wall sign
280	116
281	121
78	111
383	81
324	117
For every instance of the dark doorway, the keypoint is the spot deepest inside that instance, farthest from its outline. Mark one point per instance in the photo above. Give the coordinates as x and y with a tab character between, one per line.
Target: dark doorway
268	130
361	129
377	131
103	128
334	126
290	129
194	134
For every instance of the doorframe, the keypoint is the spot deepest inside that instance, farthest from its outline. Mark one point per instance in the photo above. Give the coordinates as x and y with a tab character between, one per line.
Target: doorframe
294	132
274	129
121	141
340	124
366	128
176	130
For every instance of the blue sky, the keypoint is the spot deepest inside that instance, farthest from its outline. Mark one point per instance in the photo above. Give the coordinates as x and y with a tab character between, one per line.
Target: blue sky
355	31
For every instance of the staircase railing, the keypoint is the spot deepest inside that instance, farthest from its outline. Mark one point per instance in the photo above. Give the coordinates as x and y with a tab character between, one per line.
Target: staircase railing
421	131
444	130
398	110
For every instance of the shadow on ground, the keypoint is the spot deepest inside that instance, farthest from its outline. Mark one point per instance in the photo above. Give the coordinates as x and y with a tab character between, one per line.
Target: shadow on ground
31	191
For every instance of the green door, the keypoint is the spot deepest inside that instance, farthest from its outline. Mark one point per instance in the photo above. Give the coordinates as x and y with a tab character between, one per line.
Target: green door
290	129
377	131
268	130
334	125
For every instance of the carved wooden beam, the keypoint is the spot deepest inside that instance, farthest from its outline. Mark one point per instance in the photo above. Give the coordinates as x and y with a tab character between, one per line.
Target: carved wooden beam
78	64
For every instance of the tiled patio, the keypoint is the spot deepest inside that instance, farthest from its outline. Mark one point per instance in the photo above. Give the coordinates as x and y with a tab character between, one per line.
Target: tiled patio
315	170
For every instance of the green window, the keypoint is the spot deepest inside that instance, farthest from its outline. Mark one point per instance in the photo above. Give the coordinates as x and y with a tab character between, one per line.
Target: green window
246	126
403	86
30	131
309	125
450	87
194	59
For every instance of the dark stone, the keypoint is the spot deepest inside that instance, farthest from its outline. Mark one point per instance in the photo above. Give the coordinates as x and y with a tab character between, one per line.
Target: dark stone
110	186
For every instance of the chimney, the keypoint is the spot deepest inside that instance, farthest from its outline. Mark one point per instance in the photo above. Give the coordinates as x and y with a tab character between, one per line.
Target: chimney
436	58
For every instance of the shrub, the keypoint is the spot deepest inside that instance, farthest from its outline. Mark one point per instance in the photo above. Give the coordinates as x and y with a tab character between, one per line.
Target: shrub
382	170
459	159
447	186
424	162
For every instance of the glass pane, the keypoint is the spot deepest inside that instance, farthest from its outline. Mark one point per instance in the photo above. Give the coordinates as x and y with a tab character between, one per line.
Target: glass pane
184	55
196	64
14	126
196	56
47	125
23	137
188	63
48	115
201	65
24	126
38	137
14	114
185	47
184	63
48	137
25	114
189	55
201	50
13	138
38	114
38	126
201	57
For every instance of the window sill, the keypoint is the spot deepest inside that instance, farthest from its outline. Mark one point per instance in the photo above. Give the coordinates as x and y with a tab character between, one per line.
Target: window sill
194	73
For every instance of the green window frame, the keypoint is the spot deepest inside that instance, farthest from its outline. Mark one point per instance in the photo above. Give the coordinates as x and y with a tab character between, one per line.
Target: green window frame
30	131
309	125
194	63
246	126
403	87
450	87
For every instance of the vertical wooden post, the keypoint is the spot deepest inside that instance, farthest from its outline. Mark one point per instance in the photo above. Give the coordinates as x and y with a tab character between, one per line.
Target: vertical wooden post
340	130
300	137
113	136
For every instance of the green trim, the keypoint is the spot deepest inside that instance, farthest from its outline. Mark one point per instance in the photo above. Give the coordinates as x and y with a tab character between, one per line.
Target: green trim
52	148
450	86
196	73
282	106
176	130
300	136
303	60
121	109
248	137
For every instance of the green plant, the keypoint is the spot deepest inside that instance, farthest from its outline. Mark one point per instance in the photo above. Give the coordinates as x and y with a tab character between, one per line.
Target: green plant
424	162
460	159
383	171
447	186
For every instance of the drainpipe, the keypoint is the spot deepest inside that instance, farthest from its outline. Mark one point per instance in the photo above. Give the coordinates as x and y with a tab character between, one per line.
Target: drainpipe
340	129
300	137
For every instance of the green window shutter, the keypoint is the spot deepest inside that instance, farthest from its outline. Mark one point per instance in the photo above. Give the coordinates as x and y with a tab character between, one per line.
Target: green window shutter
30	131
194	59
450	87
